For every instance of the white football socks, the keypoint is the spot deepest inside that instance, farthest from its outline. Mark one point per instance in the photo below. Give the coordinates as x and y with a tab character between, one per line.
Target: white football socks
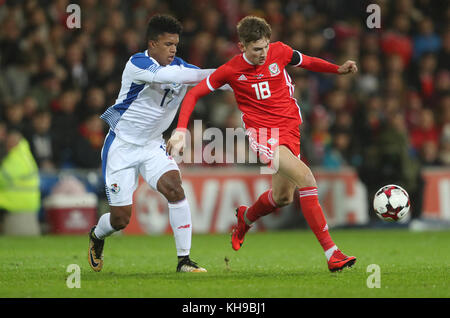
104	228
180	221
329	252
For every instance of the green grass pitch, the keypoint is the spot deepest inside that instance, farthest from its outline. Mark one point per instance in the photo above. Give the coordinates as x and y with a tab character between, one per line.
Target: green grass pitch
286	264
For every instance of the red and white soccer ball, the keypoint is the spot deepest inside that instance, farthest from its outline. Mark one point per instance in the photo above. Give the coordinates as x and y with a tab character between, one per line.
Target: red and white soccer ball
391	203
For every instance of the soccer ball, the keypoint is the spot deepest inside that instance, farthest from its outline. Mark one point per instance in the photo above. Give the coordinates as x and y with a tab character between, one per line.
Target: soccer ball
391	203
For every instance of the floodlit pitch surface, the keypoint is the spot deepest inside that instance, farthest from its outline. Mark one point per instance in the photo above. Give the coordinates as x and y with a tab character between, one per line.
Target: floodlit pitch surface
288	264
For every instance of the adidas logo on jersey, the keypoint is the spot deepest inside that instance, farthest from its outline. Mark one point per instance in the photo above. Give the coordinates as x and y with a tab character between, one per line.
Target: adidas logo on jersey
242	78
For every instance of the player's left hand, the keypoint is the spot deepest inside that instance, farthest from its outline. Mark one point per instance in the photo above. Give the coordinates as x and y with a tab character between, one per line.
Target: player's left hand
348	67
176	143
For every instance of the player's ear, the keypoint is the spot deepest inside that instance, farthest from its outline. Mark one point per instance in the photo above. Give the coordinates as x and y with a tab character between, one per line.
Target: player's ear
241	47
152	43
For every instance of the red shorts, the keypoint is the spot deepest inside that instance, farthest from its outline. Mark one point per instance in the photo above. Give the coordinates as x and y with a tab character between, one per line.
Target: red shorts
264	141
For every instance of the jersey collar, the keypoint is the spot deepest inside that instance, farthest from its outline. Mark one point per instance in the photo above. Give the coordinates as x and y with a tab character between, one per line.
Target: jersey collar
155	61
245	59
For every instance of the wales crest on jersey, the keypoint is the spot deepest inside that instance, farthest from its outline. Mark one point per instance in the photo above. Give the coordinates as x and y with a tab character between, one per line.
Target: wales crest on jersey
274	69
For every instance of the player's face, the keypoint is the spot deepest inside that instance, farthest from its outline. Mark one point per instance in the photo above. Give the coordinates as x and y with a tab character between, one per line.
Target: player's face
163	50
256	52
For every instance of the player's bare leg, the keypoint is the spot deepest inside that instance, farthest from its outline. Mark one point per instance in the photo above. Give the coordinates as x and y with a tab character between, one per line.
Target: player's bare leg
120	216
299	173
116	220
282	190
169	185
280	195
293	169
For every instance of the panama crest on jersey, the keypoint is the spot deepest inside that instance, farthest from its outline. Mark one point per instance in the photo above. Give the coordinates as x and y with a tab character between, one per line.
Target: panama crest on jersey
274	69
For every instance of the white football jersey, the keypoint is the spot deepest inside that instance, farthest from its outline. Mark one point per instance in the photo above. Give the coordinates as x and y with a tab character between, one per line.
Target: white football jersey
149	97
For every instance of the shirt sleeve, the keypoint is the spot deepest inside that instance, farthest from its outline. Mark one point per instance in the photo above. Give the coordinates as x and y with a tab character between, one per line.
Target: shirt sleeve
180	75
296	58
189	101
172	74
145	70
285	52
317	65
218	78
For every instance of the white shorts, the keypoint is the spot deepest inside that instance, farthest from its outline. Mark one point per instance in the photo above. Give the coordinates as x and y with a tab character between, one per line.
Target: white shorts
122	162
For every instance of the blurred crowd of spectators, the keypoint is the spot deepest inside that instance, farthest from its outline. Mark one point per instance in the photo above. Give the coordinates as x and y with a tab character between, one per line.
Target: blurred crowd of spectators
388	121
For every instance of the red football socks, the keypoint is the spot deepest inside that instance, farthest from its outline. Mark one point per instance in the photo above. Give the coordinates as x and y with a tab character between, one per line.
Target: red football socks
263	206
312	211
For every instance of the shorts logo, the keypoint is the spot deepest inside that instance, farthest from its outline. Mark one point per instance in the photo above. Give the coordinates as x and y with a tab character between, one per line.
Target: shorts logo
114	188
274	69
272	141
163	147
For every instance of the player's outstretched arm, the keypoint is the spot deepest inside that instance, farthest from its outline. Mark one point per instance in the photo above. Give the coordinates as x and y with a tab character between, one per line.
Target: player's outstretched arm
319	65
176	143
217	79
141	68
169	74
181	75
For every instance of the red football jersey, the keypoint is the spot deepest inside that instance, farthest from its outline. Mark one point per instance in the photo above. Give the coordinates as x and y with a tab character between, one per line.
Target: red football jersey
264	93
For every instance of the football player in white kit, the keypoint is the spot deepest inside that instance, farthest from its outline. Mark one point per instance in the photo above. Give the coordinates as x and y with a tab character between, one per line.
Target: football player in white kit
154	83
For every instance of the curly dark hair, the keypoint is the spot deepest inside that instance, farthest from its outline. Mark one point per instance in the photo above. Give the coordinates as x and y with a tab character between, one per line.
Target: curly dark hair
162	23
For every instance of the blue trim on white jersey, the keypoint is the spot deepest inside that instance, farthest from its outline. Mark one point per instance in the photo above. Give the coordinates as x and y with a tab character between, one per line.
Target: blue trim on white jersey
179	61
112	114
108	142
139	97
142	61
134	91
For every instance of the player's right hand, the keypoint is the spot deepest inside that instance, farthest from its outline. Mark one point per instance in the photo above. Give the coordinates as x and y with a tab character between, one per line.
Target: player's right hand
176	143
348	67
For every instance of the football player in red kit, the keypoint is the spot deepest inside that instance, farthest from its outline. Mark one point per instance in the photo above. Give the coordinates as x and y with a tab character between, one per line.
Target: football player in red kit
265	95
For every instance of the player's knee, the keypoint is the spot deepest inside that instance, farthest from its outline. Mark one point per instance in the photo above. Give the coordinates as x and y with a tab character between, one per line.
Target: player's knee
282	200
120	220
307	179
174	193
169	185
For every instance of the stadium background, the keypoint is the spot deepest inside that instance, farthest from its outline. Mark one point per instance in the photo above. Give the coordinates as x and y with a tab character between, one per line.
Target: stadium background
388	124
